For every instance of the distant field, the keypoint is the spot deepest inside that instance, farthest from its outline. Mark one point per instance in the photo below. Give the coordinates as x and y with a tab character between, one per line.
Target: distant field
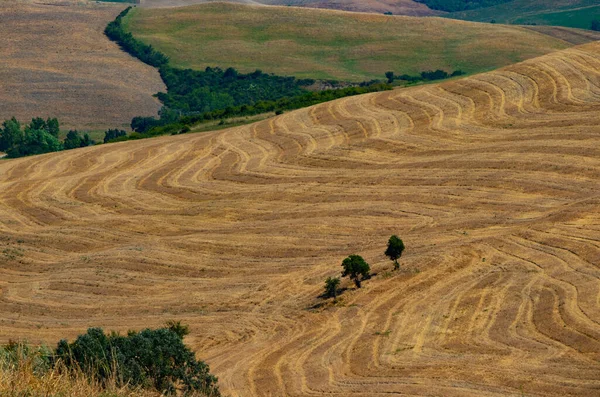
397	7
330	44
57	62
571	13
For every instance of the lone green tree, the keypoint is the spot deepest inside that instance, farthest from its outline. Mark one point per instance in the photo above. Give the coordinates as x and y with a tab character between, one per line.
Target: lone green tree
356	268
331	287
394	250
390	77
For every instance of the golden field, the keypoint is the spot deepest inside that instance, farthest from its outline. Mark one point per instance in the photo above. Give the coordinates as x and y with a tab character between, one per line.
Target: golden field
492	181
56	62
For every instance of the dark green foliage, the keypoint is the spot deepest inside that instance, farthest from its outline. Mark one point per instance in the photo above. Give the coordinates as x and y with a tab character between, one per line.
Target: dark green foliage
394	250
390	77
331	287
38	137
428	75
111	135
356	268
460	5
10	134
595	25
146	53
191	91
150	359
74	140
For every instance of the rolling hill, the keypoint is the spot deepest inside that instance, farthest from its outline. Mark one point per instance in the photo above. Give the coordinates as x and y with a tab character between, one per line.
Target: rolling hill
56	62
330	44
493	182
397	7
569	13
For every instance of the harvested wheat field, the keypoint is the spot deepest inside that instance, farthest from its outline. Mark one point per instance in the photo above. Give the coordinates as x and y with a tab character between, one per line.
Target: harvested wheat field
56	62
492	181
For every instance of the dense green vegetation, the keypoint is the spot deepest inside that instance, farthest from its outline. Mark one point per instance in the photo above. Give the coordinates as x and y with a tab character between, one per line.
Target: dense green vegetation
128	43
156	359
460	5
39	136
212	89
429	75
153	360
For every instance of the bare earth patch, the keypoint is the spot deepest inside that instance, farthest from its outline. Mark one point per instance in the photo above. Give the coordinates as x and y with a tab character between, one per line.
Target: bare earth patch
493	182
57	62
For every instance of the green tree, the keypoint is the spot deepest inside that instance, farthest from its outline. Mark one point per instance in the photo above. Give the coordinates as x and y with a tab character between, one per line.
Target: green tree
53	127
331	287
35	142
394	250
390	77
10	134
356	268
73	140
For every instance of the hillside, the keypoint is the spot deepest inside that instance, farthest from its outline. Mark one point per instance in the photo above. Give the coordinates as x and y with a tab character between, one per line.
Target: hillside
56	62
493	182
330	44
397	7
569	13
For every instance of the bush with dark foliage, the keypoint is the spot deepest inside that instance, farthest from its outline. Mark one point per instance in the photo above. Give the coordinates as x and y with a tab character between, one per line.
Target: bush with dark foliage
155	359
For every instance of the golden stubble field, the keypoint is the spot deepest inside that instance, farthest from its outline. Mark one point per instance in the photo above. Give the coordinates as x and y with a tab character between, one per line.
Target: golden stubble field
56	62
493	182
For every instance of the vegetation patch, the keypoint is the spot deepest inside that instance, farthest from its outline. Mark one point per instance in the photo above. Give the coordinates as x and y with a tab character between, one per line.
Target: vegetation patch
155	361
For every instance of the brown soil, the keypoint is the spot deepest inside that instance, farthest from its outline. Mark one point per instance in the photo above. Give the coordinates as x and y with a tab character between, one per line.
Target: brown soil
56	62
493	182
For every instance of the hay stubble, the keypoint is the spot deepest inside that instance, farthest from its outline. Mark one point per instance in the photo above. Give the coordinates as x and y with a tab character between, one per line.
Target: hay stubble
492	181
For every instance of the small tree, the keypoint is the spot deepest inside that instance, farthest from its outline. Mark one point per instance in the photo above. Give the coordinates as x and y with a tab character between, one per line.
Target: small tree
356	268
394	250
390	77
331	286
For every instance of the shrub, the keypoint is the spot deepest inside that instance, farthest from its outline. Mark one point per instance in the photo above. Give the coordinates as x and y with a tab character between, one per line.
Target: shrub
331	287
151	359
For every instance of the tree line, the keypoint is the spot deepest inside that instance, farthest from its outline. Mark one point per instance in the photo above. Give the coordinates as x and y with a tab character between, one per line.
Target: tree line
428	75
38	137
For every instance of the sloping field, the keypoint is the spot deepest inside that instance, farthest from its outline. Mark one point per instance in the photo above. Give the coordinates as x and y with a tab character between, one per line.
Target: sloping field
330	44
56	62
571	13
493	182
570	35
397	7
